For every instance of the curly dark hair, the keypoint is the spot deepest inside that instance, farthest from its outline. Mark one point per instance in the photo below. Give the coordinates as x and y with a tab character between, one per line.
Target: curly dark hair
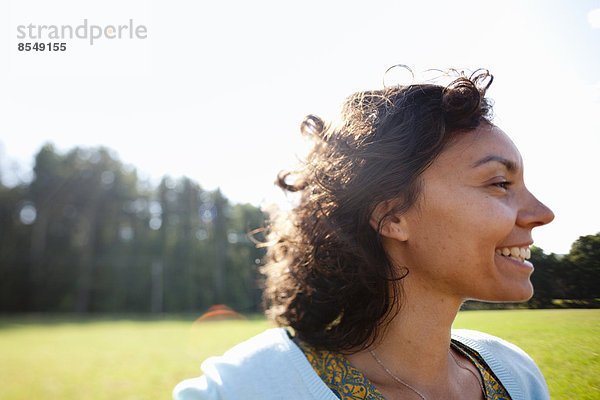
327	274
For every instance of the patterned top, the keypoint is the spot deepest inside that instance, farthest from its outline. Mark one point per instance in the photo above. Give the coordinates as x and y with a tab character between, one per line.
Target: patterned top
347	383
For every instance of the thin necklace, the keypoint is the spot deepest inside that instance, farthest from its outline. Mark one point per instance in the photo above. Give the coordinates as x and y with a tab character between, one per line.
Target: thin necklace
394	376
412	388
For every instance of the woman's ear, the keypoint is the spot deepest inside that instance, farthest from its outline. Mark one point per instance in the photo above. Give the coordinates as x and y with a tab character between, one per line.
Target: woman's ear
393	226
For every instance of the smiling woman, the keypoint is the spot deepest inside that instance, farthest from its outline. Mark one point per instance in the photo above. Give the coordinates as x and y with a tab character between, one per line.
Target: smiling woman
413	203
473	205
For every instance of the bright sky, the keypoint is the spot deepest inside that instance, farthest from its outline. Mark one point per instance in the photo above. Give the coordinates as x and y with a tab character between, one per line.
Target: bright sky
217	90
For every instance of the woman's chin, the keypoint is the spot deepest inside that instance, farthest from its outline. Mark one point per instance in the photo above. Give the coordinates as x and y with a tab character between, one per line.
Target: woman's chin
514	294
525	293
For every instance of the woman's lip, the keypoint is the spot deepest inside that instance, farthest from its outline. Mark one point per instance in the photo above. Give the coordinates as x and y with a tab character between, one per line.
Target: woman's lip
523	264
526	244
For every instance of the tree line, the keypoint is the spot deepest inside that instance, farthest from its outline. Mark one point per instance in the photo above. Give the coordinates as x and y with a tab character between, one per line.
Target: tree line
86	234
570	280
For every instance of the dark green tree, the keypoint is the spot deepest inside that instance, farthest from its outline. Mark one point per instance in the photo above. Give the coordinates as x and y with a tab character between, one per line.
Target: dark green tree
549	279
582	266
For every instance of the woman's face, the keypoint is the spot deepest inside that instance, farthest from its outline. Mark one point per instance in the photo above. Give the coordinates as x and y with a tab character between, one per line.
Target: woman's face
468	234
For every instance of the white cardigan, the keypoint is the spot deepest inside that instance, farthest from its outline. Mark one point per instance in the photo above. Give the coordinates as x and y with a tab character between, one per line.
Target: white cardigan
270	366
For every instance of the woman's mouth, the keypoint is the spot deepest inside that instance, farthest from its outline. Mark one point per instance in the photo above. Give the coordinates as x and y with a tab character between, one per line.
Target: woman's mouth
516	253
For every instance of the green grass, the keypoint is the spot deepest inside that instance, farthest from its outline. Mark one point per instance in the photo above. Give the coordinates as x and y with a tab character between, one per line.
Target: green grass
564	343
59	358
120	359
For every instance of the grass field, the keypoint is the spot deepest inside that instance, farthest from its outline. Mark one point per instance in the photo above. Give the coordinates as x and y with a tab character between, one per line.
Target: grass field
54	357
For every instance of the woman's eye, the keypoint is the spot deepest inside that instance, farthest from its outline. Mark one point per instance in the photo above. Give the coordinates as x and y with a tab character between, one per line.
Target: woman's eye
502	185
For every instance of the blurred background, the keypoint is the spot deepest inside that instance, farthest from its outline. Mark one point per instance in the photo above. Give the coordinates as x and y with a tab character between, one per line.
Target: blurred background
132	170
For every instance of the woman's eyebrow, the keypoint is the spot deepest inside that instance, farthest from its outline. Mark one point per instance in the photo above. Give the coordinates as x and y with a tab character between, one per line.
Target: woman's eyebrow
510	165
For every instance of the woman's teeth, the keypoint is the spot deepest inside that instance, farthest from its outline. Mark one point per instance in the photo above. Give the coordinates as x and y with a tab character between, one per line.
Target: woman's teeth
516	253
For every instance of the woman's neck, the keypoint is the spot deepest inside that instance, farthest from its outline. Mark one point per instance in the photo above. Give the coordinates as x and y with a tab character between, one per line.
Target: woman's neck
415	345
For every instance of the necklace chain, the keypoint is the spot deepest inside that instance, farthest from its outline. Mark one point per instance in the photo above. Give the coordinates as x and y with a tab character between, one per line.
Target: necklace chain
394	376
397	379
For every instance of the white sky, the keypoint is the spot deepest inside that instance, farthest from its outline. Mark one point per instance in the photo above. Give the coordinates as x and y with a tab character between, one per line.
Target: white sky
218	89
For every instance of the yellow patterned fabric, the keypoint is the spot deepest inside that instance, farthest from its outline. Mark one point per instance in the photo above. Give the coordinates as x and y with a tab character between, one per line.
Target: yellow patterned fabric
347	383
493	387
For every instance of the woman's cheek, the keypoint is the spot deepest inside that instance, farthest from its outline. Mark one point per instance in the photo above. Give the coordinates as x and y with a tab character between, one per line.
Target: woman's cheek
495	212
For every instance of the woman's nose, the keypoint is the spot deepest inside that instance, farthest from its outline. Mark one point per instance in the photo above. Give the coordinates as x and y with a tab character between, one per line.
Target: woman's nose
534	213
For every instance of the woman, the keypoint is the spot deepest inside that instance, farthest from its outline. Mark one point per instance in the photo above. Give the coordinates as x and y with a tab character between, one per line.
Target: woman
413	203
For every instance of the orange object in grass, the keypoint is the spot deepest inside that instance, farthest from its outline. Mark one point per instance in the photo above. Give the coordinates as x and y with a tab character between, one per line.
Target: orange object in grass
219	312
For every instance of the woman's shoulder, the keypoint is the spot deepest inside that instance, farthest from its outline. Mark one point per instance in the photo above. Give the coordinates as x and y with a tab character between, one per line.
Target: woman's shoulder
484	341
514	367
266	366
271	343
